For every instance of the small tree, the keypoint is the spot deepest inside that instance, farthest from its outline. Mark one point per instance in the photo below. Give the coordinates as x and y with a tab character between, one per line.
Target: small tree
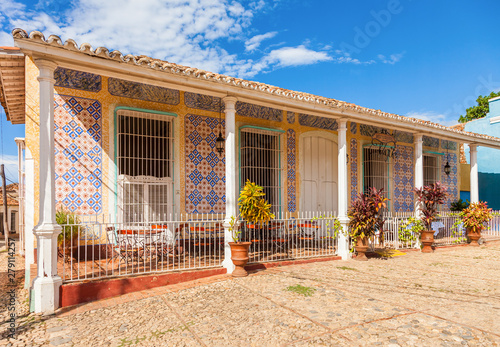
430	197
254	208
480	110
365	214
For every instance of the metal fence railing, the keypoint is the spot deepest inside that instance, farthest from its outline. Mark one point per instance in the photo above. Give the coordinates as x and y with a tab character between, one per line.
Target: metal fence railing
306	235
94	248
448	230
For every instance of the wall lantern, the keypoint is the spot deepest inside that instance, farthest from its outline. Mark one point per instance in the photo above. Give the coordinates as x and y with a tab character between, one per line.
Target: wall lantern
220	141
447	167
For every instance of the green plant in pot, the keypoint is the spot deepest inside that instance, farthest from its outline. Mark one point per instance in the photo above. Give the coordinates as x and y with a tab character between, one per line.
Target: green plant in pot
254	209
67	240
410	230
429	197
365	218
475	218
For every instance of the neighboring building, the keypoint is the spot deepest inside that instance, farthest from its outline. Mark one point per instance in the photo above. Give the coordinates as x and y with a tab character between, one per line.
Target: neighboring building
135	142
12	209
487	158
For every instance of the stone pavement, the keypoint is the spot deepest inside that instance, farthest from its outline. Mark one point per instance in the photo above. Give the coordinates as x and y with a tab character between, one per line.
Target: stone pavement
450	297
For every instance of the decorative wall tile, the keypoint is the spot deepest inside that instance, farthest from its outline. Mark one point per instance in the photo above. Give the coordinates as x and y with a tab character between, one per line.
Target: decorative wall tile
291	170
451	181
450	145
403	179
73	79
256	111
353	160
402	136
78	153
354	128
430	141
290	117
203	102
205	169
142	91
370	130
318	122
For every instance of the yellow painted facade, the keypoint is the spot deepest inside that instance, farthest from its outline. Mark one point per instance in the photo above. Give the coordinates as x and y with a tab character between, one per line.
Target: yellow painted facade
110	102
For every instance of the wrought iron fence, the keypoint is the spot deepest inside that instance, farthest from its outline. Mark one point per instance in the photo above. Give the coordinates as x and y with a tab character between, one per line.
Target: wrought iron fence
93	248
287	237
96	248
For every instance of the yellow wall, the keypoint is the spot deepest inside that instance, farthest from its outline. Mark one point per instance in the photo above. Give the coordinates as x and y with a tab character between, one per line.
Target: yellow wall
110	102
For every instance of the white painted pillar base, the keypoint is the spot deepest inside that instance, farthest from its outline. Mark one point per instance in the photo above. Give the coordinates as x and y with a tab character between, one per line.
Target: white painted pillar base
46	284
419	170
474	178
231	178
343	239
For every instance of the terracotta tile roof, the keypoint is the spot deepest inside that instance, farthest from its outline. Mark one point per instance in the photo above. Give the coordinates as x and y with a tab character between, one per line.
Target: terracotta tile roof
12	81
10	200
189	72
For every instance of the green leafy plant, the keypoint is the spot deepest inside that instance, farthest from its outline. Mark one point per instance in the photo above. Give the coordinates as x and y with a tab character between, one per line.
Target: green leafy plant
457	228
70	224
332	224
409	231
299	289
430	197
254	209
476	216
365	214
459	205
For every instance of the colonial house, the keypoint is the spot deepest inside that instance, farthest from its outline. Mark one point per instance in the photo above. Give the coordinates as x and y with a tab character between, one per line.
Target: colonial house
131	143
12	209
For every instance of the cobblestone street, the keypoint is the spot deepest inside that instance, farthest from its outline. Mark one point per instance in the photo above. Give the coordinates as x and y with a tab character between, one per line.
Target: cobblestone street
450	297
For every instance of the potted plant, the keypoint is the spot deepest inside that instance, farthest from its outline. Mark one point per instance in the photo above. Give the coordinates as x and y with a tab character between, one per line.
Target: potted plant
474	219
410	230
254	209
430	197
365	218
67	240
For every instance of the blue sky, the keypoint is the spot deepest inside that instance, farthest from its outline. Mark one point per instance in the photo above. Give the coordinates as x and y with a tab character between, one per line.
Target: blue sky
424	59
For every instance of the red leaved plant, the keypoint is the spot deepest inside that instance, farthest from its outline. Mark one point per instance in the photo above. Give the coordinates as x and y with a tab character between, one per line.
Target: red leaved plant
365	213
476	216
431	197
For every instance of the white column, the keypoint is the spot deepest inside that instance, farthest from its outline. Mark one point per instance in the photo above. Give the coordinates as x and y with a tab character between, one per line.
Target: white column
474	180
20	177
46	284
343	243
419	169
231	178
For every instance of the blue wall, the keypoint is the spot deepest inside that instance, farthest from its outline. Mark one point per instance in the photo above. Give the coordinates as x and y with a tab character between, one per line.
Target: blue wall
488	159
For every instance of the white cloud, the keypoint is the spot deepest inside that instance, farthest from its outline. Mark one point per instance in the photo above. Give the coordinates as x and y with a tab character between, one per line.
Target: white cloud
186	32
294	56
432	116
254	42
392	59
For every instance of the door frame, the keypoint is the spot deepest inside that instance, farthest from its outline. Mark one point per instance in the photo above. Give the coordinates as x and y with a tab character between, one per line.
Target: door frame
314	133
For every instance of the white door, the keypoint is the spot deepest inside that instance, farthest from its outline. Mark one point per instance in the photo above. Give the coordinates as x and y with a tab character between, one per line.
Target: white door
319	174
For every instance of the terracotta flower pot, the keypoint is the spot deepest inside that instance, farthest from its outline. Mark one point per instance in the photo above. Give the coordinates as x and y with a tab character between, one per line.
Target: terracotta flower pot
361	248
239	256
474	235
427	240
